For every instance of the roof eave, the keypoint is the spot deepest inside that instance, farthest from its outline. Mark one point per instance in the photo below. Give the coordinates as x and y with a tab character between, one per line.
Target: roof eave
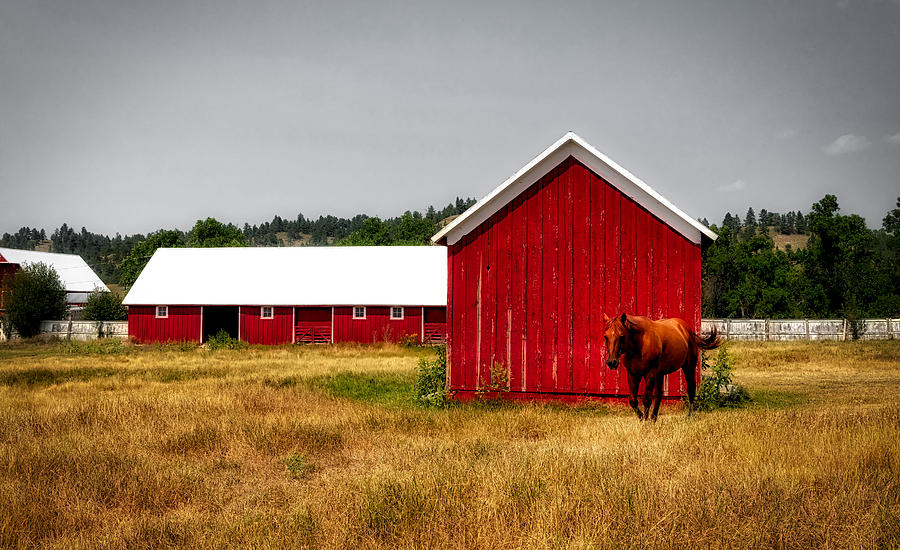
573	145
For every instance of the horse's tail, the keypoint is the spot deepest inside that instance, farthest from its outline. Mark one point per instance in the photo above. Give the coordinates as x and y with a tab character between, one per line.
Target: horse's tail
710	341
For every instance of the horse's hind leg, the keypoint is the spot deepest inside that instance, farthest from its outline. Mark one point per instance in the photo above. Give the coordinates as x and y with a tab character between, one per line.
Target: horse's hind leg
690	377
633	384
657	395
648	396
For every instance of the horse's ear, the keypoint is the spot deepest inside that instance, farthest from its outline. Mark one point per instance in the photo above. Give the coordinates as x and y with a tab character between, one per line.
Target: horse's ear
605	319
624	319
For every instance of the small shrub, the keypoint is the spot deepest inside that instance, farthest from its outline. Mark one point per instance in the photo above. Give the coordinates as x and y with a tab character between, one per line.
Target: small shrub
431	380
297	465
718	388
34	294
409	340
498	384
102	305
223	340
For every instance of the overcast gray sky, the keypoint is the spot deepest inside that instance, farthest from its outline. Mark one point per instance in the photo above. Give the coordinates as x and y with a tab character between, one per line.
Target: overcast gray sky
131	116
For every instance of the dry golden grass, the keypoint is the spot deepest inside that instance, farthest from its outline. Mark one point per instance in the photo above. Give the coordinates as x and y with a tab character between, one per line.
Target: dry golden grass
111	446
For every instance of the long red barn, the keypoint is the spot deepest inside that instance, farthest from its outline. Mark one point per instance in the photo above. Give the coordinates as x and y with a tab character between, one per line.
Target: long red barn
535	264
284	295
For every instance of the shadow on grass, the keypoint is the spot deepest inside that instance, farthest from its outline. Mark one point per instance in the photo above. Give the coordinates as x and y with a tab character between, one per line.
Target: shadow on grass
42	376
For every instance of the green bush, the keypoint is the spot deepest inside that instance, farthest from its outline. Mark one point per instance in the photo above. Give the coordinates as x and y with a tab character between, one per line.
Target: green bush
431	380
717	389
103	305
34	294
223	340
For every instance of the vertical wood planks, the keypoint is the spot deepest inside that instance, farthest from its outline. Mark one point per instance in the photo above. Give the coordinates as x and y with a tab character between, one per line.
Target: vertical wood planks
598	304
581	277
534	296
518	258
533	281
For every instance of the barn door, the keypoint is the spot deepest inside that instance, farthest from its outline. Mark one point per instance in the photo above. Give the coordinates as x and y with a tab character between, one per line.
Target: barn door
313	325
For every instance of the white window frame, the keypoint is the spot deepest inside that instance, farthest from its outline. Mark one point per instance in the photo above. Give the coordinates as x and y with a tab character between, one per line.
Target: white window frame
363	313
402	313
158	316
262	312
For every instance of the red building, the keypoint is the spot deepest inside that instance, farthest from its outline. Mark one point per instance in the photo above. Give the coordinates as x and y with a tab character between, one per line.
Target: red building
535	264
284	295
77	277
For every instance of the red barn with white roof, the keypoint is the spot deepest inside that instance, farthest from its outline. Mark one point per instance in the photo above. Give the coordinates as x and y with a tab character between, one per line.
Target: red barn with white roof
535	264
77	277
298	294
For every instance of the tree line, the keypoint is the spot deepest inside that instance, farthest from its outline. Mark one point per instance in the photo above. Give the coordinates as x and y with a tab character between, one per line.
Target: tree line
845	269
120	259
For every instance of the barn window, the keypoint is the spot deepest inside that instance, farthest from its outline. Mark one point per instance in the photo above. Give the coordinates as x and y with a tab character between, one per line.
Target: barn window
162	312
396	312
359	312
266	312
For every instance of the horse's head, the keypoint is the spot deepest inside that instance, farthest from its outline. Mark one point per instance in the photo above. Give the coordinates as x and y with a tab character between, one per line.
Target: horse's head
618	338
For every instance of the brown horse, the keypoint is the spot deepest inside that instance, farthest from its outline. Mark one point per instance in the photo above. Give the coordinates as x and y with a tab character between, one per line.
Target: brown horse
651	350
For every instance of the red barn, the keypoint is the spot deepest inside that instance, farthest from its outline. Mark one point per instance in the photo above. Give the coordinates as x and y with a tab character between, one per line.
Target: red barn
77	277
535	264
285	295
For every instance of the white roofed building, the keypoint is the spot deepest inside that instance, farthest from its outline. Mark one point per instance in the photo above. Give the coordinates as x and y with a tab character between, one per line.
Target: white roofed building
291	294
77	277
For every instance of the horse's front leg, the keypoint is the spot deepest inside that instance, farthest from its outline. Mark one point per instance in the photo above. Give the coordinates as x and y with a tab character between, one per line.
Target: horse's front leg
648	395
657	396
634	383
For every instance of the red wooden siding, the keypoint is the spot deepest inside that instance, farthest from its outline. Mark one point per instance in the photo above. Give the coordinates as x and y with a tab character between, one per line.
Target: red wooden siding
528	288
182	324
6	270
274	331
377	326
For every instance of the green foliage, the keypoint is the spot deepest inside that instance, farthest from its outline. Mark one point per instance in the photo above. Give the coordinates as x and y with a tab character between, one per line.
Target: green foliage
34	294
408	230
846	269
297	465
104	306
498	383
223	340
431	380
211	233
140	254
384	388
717	388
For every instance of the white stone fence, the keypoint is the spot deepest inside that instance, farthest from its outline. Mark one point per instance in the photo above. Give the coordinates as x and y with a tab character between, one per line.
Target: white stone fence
782	330
84	330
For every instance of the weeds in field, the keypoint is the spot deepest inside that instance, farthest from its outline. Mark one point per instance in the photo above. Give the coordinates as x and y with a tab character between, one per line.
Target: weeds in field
223	340
717	388
431	379
298	465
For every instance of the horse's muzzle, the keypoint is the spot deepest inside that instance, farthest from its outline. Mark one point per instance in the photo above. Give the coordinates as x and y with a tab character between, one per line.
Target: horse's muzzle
612	363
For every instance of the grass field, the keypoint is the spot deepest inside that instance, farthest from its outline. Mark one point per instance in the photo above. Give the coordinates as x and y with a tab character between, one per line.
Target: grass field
118	446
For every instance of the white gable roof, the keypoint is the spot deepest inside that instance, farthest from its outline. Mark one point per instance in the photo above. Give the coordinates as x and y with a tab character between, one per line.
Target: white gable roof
294	276
572	145
75	274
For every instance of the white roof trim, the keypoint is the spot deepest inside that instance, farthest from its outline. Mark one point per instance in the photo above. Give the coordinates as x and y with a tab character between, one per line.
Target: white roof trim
572	145
294	276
